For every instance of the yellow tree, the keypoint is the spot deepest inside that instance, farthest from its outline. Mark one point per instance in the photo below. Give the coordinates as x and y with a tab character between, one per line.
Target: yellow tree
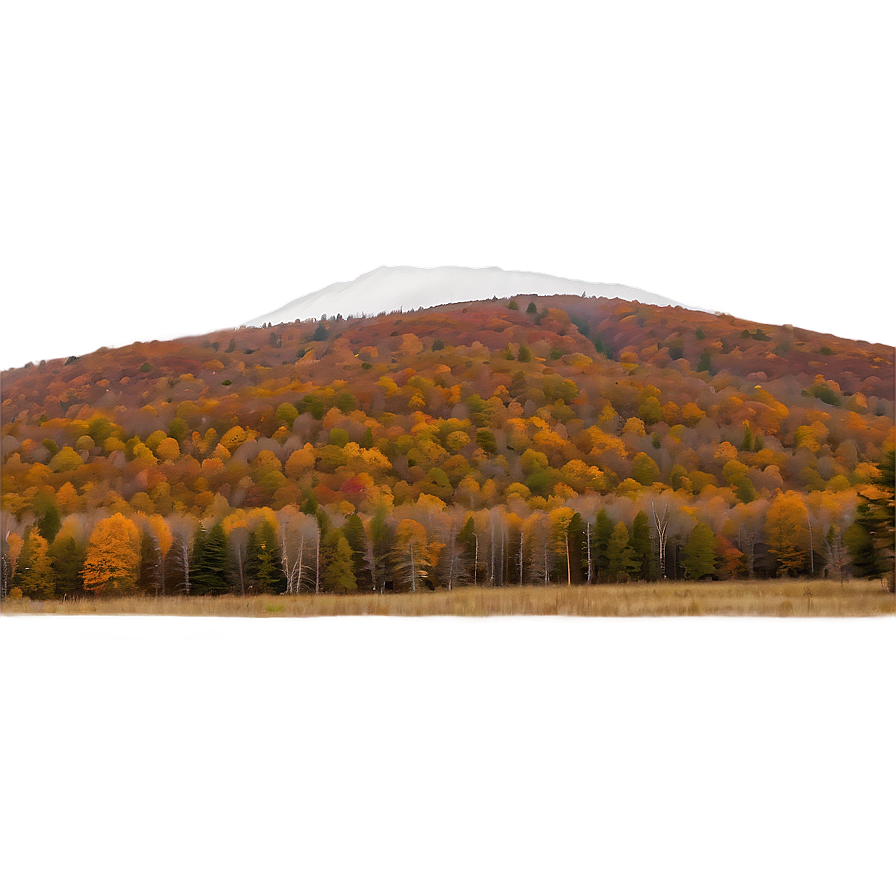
413	555
15	542
786	528
35	569
560	519
163	540
113	556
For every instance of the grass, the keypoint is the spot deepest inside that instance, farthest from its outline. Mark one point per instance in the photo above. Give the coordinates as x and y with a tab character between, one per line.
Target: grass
766	598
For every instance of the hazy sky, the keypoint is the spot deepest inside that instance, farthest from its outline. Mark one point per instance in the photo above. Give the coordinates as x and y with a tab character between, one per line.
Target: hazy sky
167	171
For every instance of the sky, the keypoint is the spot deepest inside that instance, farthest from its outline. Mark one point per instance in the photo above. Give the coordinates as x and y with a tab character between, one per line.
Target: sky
187	167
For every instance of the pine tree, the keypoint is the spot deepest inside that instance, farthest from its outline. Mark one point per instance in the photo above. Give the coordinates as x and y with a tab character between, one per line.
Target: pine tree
50	523
643	547
263	560
746	443
381	546
354	533
211	560
601	533
339	575
524	354
621	560
68	559
698	557
34	571
863	557
149	579
876	514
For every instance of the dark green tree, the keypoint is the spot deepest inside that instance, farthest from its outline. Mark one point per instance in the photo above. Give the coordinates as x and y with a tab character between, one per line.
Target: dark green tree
263	567
524	354
603	529
863	557
705	362
621	561
381	536
211	561
578	559
875	515
354	533
68	559
643	547
50	522
698	556
150	579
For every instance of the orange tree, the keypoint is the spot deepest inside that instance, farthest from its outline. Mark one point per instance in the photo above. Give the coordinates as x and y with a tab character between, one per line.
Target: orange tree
113	556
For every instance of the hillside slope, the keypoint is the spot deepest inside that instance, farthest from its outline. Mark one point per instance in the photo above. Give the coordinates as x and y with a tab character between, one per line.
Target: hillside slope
523	413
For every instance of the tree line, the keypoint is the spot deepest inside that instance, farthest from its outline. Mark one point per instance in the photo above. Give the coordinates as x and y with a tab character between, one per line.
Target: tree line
304	549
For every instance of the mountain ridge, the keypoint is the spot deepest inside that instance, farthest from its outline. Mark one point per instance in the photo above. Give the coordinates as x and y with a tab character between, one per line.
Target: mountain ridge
483	423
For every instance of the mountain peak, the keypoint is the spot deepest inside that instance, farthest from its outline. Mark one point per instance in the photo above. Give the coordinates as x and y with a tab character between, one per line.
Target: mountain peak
389	288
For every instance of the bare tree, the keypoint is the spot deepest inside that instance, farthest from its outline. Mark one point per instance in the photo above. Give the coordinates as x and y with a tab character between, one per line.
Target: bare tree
183	528
298	531
661	529
836	556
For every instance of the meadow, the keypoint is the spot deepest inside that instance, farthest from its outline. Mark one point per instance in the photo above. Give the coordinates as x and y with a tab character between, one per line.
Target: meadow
780	598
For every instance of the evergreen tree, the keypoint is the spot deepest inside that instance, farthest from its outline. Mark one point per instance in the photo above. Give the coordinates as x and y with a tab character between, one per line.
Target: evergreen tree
705	362
263	567
149	579
367	438
34	571
746	443
876	514
211	560
339	575
698	557
577	556
863	557
531	309
621	561
354	533
50	523
643	547
381	536
67	558
524	354
745	490
601	533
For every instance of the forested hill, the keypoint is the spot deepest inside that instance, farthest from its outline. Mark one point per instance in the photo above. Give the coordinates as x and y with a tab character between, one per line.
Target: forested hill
528	407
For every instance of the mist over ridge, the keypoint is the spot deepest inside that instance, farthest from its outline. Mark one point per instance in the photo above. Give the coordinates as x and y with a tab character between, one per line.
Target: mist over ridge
390	287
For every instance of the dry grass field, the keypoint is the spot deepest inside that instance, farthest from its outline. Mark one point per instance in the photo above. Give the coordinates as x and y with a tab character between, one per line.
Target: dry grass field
766	598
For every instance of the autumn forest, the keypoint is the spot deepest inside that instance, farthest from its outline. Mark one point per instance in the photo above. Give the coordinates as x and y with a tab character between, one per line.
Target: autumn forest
530	441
